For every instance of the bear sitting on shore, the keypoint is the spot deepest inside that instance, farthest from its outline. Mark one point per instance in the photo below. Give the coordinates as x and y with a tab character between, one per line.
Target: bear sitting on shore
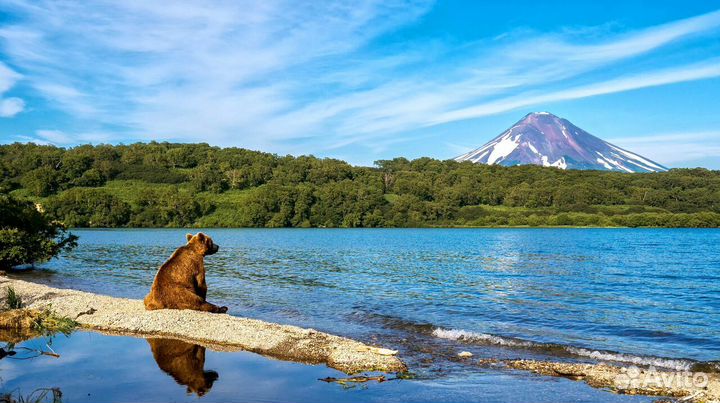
180	282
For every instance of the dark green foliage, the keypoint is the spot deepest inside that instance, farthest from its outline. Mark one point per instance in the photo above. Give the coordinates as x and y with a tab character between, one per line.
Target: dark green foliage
164	184
208	177
89	207
28	236
40	181
150	174
167	208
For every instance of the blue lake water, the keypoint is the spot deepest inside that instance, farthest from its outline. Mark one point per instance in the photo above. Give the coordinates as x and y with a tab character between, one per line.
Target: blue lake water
648	296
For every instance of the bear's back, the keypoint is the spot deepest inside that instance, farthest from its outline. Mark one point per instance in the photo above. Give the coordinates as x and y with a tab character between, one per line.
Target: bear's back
181	267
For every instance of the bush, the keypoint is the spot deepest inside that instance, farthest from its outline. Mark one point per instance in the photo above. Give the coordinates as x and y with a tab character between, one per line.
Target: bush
28	236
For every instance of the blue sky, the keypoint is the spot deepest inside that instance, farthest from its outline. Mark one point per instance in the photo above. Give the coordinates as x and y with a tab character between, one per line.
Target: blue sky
361	81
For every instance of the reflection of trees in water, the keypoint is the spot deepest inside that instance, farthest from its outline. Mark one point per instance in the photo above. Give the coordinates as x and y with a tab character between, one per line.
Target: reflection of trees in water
185	362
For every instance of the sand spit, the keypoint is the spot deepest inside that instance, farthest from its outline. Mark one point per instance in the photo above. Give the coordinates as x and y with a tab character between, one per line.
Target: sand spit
216	331
686	386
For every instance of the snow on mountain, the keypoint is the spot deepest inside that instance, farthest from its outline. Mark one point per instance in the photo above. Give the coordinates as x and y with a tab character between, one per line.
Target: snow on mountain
542	138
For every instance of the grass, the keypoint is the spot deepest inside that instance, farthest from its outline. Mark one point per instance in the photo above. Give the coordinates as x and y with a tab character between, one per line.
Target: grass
129	190
41	395
226	203
227	208
46	323
13	299
49	324
391	197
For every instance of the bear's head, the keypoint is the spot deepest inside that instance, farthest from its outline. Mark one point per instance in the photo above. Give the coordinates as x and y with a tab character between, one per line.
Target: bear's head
202	243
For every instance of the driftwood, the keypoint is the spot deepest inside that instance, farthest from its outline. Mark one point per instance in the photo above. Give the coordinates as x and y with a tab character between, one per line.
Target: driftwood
355	379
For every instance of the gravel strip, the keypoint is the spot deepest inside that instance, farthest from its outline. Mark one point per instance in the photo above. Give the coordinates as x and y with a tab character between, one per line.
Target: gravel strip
128	316
696	387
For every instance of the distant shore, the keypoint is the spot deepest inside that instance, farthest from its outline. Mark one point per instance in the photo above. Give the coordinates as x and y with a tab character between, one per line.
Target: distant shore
216	331
397	228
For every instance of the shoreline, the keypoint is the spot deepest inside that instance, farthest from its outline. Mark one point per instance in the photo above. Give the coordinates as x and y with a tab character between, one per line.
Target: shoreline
216	331
379	228
696	387
225	333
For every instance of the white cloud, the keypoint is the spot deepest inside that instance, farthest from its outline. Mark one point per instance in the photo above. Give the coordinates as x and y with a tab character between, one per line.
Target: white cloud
10	107
278	73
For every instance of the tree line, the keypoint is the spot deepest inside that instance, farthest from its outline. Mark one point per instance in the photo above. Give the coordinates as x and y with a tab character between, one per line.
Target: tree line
183	185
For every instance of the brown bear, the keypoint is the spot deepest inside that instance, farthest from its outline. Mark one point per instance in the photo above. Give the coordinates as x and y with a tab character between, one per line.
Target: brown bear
180	282
185	362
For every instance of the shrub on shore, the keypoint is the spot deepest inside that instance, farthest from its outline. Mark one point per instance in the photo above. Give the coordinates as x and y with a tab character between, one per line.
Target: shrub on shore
28	235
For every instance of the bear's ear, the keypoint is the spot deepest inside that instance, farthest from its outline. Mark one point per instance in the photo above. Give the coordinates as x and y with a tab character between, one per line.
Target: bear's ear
188	237
201	237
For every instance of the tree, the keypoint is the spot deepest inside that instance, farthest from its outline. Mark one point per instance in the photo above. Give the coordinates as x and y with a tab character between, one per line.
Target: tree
270	190
87	207
28	236
208	177
41	181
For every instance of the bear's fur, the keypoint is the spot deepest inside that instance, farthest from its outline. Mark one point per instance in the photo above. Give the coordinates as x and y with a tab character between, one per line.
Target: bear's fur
185	362
180	282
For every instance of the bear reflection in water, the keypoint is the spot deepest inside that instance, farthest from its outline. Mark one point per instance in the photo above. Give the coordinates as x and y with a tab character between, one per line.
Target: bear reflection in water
185	362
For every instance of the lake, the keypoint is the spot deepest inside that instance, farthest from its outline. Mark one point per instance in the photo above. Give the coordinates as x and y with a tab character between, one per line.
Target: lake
645	296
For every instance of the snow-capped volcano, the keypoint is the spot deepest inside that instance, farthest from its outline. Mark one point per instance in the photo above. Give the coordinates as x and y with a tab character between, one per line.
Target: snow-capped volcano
542	138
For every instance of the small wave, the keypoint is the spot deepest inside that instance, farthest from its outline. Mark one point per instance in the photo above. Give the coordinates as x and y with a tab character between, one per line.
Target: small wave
462	335
670	363
484	338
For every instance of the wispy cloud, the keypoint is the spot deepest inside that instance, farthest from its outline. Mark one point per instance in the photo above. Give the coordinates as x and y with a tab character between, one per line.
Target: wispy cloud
632	82
11	106
302	77
60	138
672	148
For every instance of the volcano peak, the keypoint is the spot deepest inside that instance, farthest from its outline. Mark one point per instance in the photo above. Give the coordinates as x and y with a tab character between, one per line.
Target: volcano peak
542	138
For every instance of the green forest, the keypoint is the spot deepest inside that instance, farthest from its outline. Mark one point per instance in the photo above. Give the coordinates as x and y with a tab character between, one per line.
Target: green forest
197	185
